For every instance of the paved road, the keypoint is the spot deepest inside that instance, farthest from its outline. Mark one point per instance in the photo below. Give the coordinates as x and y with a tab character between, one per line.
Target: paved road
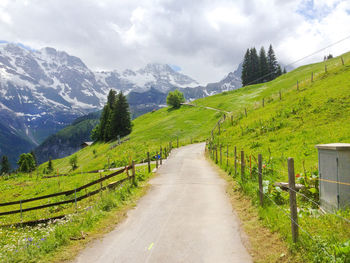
185	217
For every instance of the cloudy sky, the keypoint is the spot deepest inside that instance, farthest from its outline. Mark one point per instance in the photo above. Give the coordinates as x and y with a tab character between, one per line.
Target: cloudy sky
205	38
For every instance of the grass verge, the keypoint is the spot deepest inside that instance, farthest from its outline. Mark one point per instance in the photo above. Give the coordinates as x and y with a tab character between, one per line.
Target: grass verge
61	240
264	245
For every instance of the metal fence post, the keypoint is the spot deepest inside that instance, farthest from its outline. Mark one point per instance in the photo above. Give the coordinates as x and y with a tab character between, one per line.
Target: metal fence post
293	200
261	190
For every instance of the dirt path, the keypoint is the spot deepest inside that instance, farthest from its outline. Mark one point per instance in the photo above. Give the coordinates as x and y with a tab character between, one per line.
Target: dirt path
185	217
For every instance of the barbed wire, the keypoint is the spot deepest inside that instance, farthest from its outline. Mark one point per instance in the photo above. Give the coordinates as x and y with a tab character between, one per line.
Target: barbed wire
302	229
318	205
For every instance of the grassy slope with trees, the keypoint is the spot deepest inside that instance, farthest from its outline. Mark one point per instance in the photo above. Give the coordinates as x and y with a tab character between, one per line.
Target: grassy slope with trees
291	127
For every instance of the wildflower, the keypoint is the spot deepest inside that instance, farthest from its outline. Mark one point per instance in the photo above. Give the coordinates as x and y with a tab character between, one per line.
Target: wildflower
297	175
264	166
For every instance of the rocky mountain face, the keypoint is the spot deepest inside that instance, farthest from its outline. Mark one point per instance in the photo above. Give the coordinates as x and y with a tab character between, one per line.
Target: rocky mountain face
43	91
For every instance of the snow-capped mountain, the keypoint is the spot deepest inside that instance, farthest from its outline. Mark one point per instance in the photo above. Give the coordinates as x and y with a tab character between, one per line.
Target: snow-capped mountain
159	76
42	91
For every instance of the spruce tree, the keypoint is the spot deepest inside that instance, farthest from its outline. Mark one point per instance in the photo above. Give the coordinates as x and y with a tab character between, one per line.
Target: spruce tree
5	165
284	70
120	122
279	70
34	158
50	165
246	68
271	63
102	131
263	68
254	70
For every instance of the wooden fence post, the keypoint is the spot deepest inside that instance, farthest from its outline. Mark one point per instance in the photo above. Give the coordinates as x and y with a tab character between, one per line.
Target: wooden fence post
216	154
101	182
235	161
342	60
280	95
232	120
250	166
298	85
242	165
177	142
263	102
293	200
20	207
312	76
157	160
219	126
149	162
133	172
245	112
75	200
227	157
161	153
220	154
261	190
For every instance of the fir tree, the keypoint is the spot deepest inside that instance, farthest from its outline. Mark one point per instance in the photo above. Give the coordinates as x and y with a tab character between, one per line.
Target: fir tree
246	68
5	165
279	70
102	132
271	63
26	163
50	165
263	68
120	122
34	158
254	66
284	70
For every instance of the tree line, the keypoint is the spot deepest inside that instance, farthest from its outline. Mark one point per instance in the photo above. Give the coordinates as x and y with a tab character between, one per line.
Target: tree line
259	68
115	121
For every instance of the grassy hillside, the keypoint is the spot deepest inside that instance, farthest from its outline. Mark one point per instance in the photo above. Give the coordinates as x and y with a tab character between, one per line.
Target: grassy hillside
291	126
317	112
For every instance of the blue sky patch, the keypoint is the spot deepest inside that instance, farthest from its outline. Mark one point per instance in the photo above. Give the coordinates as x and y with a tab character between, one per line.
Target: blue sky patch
175	67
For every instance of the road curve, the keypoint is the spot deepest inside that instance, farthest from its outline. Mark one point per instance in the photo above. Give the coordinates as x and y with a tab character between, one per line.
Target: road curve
185	217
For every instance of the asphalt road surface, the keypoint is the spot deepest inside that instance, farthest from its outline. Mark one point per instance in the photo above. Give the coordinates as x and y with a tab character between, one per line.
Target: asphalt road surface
185	217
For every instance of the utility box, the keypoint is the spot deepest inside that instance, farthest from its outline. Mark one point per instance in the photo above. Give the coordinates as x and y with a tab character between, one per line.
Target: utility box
334	173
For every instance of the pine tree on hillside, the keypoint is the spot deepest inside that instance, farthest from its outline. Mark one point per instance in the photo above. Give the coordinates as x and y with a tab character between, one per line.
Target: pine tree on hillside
102	130
34	158
5	165
271	63
246	68
263	67
279	70
120	118
254	63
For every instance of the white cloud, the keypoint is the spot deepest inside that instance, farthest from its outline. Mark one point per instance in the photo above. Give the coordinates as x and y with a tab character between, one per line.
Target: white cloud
206	38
